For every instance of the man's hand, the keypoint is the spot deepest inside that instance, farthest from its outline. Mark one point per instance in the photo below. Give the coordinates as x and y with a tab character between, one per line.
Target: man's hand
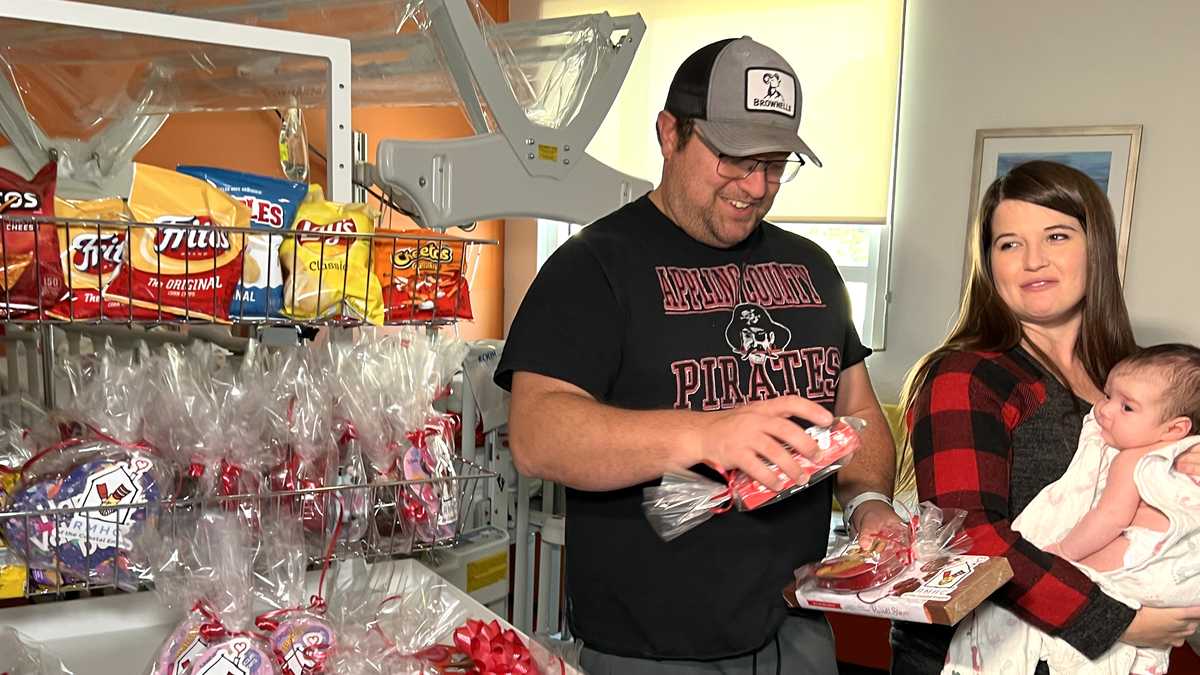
1189	463
1161	627
746	437
871	519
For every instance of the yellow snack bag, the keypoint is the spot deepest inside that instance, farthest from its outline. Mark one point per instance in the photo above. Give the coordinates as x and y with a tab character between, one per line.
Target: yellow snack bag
92	255
188	265
330	276
12	569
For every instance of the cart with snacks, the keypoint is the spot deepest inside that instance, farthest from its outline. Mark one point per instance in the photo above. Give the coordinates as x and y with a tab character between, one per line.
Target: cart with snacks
224	430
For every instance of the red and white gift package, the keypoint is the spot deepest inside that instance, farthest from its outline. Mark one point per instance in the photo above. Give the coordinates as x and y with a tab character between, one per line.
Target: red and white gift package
917	571
228	481
686	500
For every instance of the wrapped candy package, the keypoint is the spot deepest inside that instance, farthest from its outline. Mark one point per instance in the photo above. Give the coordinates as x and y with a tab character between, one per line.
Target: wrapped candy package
918	572
206	571
105	477
685	500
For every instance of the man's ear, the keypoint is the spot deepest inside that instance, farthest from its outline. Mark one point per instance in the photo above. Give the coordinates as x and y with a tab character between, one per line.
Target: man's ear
1177	428
667	137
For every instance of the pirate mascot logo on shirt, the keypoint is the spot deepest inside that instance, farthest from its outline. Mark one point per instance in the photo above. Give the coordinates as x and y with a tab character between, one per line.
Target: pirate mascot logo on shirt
753	335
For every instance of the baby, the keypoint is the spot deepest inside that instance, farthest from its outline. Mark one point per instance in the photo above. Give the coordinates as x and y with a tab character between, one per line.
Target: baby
1151	400
1106	514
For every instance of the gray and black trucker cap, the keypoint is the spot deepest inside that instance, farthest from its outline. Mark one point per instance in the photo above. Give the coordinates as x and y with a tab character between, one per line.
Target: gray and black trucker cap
744	97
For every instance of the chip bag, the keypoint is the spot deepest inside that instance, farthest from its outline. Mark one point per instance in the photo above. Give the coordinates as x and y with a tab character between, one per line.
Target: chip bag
331	276
273	203
185	266
31	277
91	256
422	273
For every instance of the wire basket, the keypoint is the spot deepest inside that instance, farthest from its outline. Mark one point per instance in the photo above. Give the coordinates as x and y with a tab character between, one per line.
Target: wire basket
76	271
328	516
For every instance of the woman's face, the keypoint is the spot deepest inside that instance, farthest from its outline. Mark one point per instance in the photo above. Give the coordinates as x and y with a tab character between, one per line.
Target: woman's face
1039	262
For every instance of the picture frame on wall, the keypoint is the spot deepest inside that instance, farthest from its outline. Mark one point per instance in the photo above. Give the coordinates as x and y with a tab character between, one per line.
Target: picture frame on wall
1108	154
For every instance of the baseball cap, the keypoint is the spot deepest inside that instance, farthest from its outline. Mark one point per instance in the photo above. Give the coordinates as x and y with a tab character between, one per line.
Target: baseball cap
744	97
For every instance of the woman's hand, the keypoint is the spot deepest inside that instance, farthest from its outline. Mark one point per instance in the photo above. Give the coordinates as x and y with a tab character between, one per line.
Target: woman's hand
1161	627
1189	463
872	519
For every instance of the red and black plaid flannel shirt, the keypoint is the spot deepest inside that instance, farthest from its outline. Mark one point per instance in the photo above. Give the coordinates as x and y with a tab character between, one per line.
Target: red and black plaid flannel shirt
961	427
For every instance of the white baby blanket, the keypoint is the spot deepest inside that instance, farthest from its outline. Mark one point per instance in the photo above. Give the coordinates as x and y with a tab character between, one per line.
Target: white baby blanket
994	641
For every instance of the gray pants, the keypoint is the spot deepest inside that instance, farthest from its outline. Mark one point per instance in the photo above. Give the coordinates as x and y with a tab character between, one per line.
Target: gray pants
804	646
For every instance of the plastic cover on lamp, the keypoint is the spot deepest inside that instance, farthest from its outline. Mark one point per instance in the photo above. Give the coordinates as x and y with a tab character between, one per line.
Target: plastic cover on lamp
96	97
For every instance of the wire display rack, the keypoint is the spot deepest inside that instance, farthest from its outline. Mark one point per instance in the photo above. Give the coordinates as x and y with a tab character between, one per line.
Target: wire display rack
187	271
339	521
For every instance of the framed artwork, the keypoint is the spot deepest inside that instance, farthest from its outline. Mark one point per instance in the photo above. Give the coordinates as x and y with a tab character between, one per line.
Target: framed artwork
1108	154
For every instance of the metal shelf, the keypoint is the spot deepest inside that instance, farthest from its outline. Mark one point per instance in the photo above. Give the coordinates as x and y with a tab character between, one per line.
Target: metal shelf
422	264
388	534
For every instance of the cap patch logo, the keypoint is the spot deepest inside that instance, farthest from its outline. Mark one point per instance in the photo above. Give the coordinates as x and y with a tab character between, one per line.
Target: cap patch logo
770	90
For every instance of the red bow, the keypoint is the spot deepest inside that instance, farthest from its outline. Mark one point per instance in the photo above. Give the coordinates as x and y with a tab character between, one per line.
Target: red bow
494	650
420	437
195	470
350	433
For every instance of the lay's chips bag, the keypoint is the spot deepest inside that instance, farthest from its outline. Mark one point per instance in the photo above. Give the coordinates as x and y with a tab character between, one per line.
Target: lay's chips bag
185	266
331	276
273	203
92	254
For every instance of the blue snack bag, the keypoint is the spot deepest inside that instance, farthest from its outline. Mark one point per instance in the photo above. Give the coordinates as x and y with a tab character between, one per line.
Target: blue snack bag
273	203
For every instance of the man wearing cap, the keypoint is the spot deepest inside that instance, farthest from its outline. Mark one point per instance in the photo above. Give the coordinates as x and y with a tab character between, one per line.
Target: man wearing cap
682	331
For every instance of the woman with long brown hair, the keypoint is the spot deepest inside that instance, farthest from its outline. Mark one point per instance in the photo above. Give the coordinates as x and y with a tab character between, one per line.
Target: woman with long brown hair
994	413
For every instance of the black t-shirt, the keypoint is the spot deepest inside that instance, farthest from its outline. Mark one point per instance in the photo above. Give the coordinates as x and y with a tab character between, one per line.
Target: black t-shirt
642	316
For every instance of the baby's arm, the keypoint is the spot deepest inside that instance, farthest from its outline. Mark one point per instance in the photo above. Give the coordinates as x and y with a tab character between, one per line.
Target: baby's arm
1112	514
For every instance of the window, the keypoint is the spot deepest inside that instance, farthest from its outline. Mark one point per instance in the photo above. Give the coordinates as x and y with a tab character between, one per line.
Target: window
857	251
847	56
551	235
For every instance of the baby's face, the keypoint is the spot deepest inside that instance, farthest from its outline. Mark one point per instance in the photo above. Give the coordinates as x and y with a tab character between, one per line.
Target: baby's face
1131	413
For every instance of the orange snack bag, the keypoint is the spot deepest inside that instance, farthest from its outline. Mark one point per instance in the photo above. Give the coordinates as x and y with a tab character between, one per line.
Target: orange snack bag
423	278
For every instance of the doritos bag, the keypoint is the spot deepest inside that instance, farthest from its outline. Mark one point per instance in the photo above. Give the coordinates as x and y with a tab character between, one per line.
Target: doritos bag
91	256
331	276
184	266
423	278
31	277
273	204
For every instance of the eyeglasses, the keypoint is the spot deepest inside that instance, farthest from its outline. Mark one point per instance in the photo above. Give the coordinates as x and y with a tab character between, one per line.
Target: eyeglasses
736	168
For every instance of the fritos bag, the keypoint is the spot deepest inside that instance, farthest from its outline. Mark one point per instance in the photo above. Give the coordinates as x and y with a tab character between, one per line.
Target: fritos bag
331	276
423	278
185	266
31	278
91	256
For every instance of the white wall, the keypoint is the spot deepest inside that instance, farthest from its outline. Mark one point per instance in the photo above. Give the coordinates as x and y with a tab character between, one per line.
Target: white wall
1026	63
520	263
